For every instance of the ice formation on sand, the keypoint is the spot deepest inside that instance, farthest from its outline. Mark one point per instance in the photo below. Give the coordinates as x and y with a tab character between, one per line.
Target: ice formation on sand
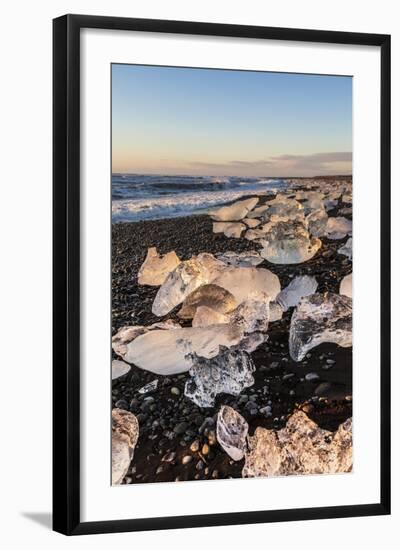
300	286
234	212
249	282
301	447
119	368
347	248
251	222
241	259
229	372
258	212
317	319
229	229
156	268
187	276
317	221
210	295
150	387
206	316
275	312
252	315
284	207
255	234
289	243
346	286
125	433
314	201
125	335
168	351
232	431
338	228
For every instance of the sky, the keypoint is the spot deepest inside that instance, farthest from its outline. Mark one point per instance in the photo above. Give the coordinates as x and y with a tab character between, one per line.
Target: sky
170	120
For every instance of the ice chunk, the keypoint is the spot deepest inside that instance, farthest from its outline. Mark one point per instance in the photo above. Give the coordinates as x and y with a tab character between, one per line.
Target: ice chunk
347	249
338	228
317	221
188	276
229	372
119	368
275	312
248	282
129	333
150	387
241	259
125	433
255	234
252	314
229	229
167	351
232	431
258	212
289	243
300	286
206	316
330	204
210	295
314	201
346	286
236	211
282	207
251	222
317	319
301	447
155	268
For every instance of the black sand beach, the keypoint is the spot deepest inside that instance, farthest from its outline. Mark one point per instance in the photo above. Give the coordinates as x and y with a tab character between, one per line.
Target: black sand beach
177	438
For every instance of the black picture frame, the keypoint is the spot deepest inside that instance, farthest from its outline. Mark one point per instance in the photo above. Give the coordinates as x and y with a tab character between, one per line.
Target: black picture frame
66	273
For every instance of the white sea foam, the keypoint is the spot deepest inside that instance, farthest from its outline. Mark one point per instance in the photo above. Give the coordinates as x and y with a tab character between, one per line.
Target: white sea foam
147	197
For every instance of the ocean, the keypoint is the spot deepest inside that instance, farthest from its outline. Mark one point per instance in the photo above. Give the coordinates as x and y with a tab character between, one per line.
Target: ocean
138	197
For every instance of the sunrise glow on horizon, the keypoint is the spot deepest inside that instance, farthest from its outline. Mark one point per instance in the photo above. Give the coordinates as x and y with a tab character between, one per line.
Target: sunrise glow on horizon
169	120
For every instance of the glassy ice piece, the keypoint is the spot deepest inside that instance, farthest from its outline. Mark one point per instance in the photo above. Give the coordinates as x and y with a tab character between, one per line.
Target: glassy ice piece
338	228
150	387
300	286
229	229
289	243
251	222
232	431
187	276
346	286
168	352
156	268
317	221
275	312
317	319
234	212
347	249
229	372
301	447
125	335
248	282
125	433
118	369
252	315
206	316
241	259
210	295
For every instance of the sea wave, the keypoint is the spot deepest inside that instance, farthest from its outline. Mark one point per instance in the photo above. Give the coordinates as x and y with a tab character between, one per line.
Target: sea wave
138	197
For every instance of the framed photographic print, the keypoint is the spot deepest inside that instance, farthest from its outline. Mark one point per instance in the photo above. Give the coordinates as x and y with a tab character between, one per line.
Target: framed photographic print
216	188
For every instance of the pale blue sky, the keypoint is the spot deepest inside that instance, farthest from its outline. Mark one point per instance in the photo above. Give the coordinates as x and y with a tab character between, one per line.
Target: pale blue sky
218	122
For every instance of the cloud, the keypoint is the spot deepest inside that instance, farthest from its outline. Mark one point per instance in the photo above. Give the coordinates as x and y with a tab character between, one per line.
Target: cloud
315	164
